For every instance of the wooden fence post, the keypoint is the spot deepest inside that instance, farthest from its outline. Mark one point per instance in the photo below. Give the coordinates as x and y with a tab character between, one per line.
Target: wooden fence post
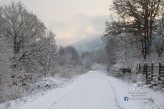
0	80
139	67
152	71
161	76
146	70
159	71
152	74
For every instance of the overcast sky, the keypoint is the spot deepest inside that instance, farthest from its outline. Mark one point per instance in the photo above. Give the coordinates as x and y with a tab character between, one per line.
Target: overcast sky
70	20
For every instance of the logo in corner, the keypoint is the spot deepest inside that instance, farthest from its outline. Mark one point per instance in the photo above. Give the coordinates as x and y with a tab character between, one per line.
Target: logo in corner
126	98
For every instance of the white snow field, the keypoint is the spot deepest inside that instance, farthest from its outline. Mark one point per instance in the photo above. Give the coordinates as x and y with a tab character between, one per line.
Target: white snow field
94	90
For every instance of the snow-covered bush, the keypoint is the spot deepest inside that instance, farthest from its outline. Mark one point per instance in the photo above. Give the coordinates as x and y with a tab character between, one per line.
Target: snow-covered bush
116	71
69	71
99	67
62	74
134	76
44	84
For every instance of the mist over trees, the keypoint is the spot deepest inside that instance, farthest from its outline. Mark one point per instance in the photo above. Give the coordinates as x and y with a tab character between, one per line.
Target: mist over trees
28	50
68	56
98	56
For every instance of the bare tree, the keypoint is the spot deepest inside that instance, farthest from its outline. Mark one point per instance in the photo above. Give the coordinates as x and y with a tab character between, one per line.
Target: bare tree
23	30
141	15
47	57
25	45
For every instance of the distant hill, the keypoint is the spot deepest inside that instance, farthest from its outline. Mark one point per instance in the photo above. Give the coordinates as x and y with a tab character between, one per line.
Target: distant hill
88	44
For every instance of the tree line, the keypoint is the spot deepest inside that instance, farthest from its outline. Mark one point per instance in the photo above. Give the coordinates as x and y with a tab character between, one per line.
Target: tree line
26	47
135	33
28	52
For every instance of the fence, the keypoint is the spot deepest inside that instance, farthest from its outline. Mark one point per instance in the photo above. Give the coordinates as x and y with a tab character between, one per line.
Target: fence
126	70
154	73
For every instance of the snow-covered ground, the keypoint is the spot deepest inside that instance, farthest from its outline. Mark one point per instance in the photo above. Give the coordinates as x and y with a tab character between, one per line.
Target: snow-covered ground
94	90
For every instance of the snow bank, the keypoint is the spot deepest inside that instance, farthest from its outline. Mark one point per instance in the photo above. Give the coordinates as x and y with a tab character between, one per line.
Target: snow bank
46	83
149	100
94	90
41	88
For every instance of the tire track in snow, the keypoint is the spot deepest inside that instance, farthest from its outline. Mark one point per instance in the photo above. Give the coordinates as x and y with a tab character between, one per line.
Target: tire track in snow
69	91
114	92
62	96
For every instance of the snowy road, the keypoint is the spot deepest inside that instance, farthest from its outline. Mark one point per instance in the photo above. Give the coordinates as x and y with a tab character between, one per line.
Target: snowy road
94	90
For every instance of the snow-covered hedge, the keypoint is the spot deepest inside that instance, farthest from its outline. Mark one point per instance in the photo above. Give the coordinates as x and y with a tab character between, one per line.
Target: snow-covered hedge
45	83
116	71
